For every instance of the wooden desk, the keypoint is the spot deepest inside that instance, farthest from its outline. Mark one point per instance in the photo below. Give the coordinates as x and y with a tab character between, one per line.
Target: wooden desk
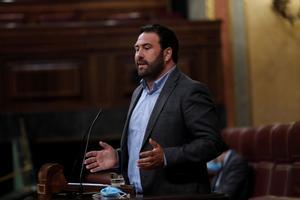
187	197
53	185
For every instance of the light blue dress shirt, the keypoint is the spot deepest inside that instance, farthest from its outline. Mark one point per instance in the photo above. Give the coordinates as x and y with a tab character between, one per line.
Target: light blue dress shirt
137	127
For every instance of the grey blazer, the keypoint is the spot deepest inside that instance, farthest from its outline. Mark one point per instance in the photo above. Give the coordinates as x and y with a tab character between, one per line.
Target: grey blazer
184	123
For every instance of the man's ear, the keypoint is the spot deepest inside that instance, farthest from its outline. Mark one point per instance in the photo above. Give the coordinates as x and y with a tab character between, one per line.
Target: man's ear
168	54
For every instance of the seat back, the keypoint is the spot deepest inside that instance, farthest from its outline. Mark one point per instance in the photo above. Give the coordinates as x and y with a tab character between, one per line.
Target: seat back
247	143
294	141
293	186
262	178
279	143
279	179
262	143
231	137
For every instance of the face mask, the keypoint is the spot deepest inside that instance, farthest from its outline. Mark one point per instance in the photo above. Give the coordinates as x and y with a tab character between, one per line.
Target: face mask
214	166
110	191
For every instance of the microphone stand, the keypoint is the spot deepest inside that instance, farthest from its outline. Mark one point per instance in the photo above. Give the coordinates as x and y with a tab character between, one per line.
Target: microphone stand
85	150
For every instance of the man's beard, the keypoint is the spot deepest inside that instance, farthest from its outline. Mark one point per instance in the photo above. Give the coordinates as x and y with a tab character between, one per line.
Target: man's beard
153	70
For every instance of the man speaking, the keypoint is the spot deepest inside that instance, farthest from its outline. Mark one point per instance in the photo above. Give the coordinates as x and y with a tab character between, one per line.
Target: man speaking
171	127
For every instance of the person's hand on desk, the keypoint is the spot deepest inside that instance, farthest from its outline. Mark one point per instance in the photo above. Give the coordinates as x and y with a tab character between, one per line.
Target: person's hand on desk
101	160
152	159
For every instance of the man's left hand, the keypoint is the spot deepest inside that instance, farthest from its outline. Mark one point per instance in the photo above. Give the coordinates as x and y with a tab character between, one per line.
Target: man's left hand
152	159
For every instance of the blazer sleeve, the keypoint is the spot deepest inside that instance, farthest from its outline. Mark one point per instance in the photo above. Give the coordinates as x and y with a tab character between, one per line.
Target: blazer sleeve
201	122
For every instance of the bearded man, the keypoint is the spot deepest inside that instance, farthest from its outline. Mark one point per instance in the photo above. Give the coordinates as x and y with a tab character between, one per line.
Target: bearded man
171	128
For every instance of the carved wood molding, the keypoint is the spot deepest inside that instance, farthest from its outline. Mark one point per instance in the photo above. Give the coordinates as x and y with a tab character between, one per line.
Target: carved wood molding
288	9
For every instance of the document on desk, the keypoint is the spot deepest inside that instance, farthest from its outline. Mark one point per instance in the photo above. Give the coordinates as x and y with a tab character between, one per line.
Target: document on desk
89	184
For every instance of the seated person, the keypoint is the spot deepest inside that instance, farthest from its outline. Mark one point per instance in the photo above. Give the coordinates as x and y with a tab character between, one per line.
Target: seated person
231	175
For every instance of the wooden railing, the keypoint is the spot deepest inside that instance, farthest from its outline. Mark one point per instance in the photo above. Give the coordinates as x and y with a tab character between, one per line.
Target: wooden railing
74	64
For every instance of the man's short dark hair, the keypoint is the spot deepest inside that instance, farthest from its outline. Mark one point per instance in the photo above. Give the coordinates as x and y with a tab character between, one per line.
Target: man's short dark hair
167	38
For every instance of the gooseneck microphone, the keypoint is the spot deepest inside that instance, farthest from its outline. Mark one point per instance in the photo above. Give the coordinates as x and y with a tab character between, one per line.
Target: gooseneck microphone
86	147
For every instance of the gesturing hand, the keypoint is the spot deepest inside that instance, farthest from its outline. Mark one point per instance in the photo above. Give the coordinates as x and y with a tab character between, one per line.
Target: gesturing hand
152	159
101	160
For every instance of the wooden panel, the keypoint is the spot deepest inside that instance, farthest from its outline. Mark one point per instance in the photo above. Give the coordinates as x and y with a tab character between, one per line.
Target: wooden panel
44	79
92	64
126	77
28	11
185	63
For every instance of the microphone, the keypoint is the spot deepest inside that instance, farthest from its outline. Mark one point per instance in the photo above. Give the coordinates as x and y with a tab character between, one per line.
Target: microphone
85	150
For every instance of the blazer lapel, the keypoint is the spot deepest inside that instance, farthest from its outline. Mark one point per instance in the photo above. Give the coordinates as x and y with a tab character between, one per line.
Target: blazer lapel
133	102
165	93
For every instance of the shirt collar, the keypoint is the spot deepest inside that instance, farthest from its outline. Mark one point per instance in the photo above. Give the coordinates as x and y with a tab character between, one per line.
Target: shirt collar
227	155
158	84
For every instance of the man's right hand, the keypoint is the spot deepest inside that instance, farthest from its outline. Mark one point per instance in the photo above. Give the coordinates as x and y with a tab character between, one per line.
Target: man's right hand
101	160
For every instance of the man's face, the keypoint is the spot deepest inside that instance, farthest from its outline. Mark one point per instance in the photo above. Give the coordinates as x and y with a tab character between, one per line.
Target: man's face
149	58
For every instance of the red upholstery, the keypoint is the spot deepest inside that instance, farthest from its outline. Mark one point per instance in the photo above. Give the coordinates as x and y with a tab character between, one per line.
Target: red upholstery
294	153
279	143
247	143
279	180
293	187
274	153
294	141
262	178
231	137
262	143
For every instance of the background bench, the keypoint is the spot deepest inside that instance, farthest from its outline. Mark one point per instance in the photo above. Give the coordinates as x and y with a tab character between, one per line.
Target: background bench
274	153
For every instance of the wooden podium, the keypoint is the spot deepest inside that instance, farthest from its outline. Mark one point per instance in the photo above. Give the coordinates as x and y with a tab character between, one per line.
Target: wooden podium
51	181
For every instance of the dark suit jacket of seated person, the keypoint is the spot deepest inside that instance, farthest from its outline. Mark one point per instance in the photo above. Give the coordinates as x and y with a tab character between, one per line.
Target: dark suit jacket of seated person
233	177
171	128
